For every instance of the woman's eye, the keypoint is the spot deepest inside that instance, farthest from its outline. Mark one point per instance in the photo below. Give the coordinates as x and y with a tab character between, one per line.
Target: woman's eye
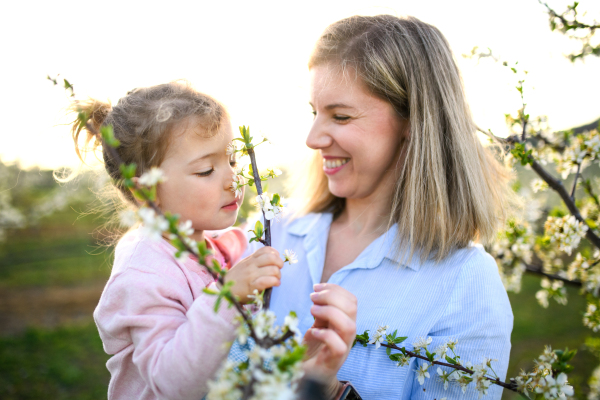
205	173
233	163
314	113
341	118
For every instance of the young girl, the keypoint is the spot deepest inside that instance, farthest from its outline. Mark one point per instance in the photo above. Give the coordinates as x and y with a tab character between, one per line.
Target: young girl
153	317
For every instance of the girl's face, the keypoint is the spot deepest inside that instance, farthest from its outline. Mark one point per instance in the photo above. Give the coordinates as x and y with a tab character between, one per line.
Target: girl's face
198	177
359	136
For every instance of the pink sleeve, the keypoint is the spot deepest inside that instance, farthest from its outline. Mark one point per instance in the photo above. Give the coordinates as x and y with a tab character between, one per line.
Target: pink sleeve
232	243
176	351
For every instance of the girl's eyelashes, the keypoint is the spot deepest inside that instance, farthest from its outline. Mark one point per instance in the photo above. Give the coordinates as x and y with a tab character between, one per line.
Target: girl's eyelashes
205	173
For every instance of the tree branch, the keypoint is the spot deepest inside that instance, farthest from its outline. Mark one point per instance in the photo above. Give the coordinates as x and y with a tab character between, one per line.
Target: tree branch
558	187
267	229
509	386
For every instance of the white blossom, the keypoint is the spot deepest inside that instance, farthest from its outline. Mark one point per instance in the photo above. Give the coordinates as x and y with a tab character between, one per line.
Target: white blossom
291	323
231	149
264	324
152	177
440	352
257	298
237	184
185	228
403	360
421	343
591	318
565	232
182	255
153	225
538	185
128	218
290	256
271	211
482	384
422	373
445	377
379	336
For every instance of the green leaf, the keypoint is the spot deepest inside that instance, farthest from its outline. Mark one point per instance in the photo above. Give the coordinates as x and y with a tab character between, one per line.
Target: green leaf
451	360
429	355
258	229
388	351
275	200
210	291
400	339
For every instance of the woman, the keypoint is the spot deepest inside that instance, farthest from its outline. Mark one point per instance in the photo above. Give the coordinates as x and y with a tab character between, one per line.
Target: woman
400	188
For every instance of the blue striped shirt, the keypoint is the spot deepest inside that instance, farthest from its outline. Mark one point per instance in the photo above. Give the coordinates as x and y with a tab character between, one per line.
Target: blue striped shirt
461	297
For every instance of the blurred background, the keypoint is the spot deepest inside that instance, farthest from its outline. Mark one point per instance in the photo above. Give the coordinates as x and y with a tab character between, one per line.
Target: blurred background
251	56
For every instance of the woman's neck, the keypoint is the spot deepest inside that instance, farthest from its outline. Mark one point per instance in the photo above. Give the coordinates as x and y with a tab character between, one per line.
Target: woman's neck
366	216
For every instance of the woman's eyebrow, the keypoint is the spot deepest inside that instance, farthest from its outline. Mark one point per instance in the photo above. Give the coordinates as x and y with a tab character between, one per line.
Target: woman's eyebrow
334	105
202	158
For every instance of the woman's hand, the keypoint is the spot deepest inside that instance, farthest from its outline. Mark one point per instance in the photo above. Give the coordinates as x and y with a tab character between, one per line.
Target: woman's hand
330	338
259	271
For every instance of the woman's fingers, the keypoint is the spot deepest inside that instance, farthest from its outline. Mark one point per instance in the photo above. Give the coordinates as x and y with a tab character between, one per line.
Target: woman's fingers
336	296
335	319
335	345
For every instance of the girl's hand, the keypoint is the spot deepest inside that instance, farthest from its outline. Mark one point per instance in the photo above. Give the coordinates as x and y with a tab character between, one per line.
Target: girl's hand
259	271
330	338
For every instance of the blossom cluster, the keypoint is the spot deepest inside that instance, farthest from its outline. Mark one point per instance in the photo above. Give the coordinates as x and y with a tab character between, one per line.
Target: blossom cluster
273	207
512	250
543	379
581	147
270	373
591	318
555	289
565	232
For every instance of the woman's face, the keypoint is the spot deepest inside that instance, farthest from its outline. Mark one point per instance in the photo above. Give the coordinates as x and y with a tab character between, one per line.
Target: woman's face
358	135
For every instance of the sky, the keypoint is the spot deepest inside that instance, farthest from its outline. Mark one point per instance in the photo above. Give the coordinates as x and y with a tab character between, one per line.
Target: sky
252	57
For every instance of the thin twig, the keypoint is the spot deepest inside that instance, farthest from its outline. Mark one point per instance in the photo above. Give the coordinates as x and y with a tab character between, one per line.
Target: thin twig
565	22
575	181
538	270
498	382
267	226
587	186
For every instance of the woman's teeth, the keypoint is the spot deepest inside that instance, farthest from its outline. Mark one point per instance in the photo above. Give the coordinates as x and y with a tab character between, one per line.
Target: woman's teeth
338	162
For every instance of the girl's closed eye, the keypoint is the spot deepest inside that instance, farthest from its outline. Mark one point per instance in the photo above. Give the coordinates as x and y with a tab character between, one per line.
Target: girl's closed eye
205	173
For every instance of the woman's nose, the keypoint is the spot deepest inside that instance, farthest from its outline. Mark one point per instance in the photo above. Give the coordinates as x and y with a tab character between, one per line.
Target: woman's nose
318	138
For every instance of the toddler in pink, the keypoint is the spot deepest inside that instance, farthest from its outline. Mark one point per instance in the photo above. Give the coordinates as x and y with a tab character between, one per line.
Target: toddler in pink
165	338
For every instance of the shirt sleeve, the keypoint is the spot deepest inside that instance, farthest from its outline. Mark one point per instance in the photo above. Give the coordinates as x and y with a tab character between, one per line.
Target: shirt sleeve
480	318
176	350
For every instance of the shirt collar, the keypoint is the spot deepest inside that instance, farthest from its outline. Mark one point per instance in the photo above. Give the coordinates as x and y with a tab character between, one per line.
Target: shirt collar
382	247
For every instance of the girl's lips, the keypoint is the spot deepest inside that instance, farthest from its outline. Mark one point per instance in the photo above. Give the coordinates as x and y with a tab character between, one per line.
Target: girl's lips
231	206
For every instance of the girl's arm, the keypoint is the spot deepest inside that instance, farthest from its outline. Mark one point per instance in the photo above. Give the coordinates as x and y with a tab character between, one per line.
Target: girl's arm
176	350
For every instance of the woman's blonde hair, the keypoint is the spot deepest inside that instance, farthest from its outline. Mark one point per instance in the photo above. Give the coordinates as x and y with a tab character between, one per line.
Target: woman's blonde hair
143	121
450	190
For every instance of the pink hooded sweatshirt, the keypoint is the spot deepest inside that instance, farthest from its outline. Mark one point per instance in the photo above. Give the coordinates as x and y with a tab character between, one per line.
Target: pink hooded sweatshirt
166	339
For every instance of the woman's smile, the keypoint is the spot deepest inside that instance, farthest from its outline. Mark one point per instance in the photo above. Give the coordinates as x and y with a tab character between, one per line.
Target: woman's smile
331	165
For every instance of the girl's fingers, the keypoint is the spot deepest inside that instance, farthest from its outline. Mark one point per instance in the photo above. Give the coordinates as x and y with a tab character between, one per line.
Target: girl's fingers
335	319
269	258
269	270
265	282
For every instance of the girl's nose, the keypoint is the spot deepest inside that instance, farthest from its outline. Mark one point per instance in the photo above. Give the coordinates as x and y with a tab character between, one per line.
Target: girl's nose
318	138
